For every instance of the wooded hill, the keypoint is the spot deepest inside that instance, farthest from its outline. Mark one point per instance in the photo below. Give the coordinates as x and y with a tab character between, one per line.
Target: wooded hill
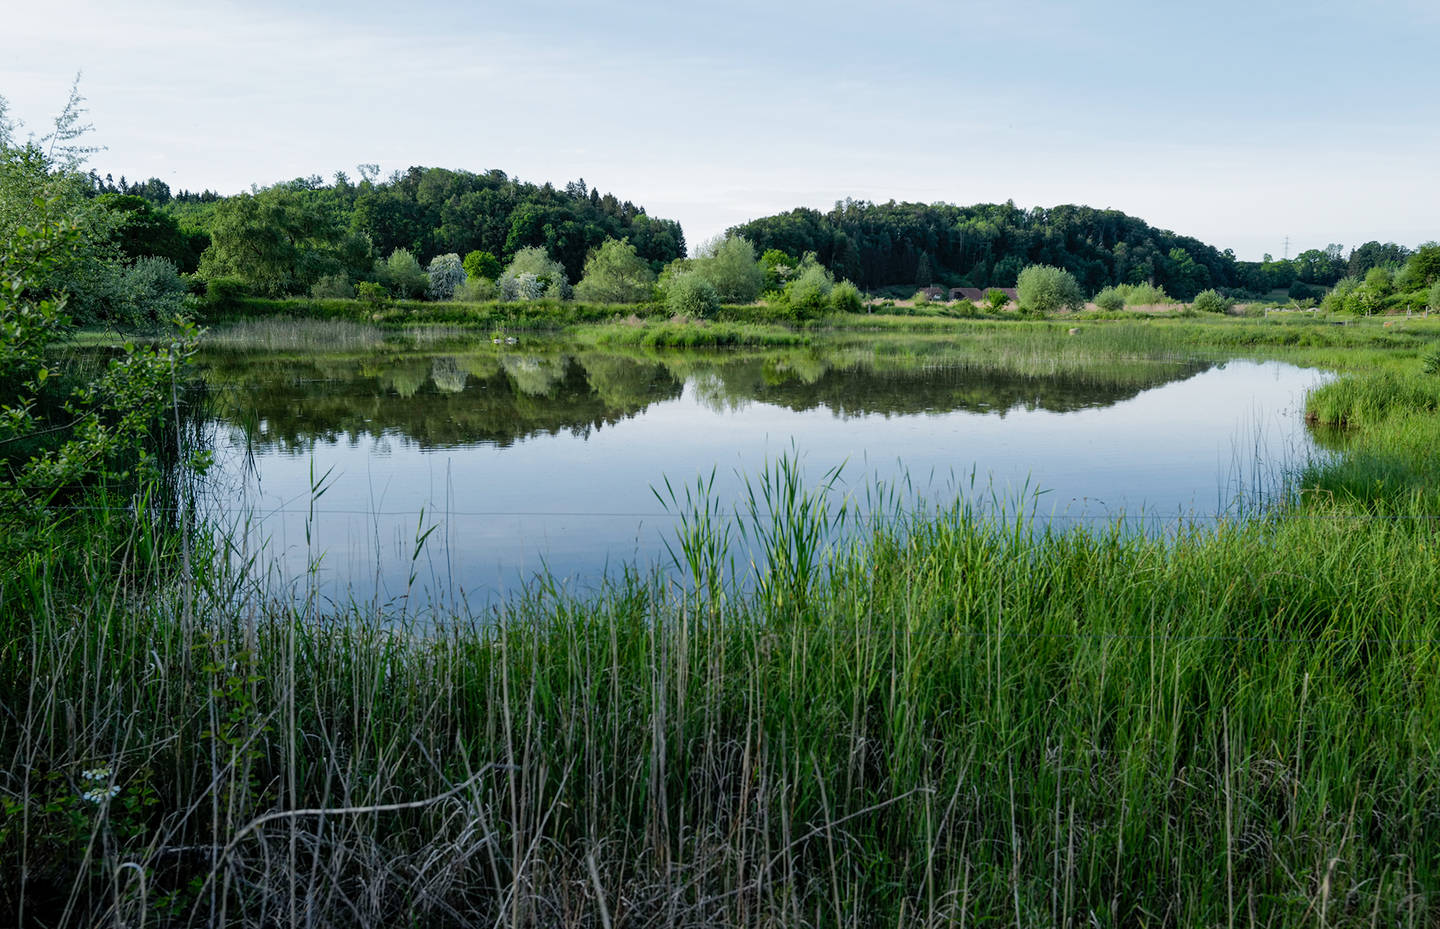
986	245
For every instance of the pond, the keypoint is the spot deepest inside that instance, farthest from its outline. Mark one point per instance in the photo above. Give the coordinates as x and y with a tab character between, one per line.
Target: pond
396	473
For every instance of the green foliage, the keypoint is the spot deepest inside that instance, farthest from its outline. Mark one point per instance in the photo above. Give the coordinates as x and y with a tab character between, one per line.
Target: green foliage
333	287
1045	289
730	266
1432	299
280	241
481	264
402	275
1145	294
845	298
1110	299
152	291
1430	361
690	294
58	434
1210	301
477	290
371	293
615	273
809	293
1423	267
921	298
141	231
777	269
880	244
996	299
221	292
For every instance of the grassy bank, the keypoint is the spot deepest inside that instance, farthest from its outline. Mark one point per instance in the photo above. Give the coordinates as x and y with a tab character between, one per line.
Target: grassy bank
954	719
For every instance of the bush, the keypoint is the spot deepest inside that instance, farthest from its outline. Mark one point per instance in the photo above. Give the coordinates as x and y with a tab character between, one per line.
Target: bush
921	298
996	299
845	298
333	287
1146	295
965	309
477	290
224	291
809	293
1211	301
371	293
1045	289
1111	299
1431	361
689	294
151	290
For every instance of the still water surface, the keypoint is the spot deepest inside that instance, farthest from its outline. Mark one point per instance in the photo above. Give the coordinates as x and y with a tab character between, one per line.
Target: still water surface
517	462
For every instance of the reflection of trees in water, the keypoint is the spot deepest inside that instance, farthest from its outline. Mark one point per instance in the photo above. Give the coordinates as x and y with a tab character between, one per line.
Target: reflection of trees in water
500	398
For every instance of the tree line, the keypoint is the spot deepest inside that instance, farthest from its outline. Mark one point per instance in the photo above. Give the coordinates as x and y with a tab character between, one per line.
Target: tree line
894	244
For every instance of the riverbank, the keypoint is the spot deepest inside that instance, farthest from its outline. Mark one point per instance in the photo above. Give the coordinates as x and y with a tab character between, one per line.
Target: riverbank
954	718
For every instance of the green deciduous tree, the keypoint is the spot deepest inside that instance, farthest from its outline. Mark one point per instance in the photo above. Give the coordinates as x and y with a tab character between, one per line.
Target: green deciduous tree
402	274
482	264
615	273
1046	289
730	266
280	241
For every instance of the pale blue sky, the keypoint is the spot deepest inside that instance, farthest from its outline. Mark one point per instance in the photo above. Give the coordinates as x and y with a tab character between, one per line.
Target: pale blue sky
1238	123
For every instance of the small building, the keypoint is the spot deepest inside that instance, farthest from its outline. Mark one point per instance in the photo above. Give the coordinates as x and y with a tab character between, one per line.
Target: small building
934	294
973	294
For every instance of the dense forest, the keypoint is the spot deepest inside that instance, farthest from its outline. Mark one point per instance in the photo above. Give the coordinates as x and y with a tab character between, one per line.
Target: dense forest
283	239
987	245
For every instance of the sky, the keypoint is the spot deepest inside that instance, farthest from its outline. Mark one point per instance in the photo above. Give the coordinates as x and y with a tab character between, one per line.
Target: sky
1243	124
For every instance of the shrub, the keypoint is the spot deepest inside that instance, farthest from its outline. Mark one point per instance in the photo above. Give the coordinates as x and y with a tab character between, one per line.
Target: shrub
151	290
333	287
1431	361
809	293
1111	299
689	294
1046	289
1211	301
845	298
477	290
996	299
1146	294
371	293
224	291
921	298
966	309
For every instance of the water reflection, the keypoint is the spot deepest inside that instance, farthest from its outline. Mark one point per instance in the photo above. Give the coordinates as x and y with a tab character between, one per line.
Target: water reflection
544	456
501	397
